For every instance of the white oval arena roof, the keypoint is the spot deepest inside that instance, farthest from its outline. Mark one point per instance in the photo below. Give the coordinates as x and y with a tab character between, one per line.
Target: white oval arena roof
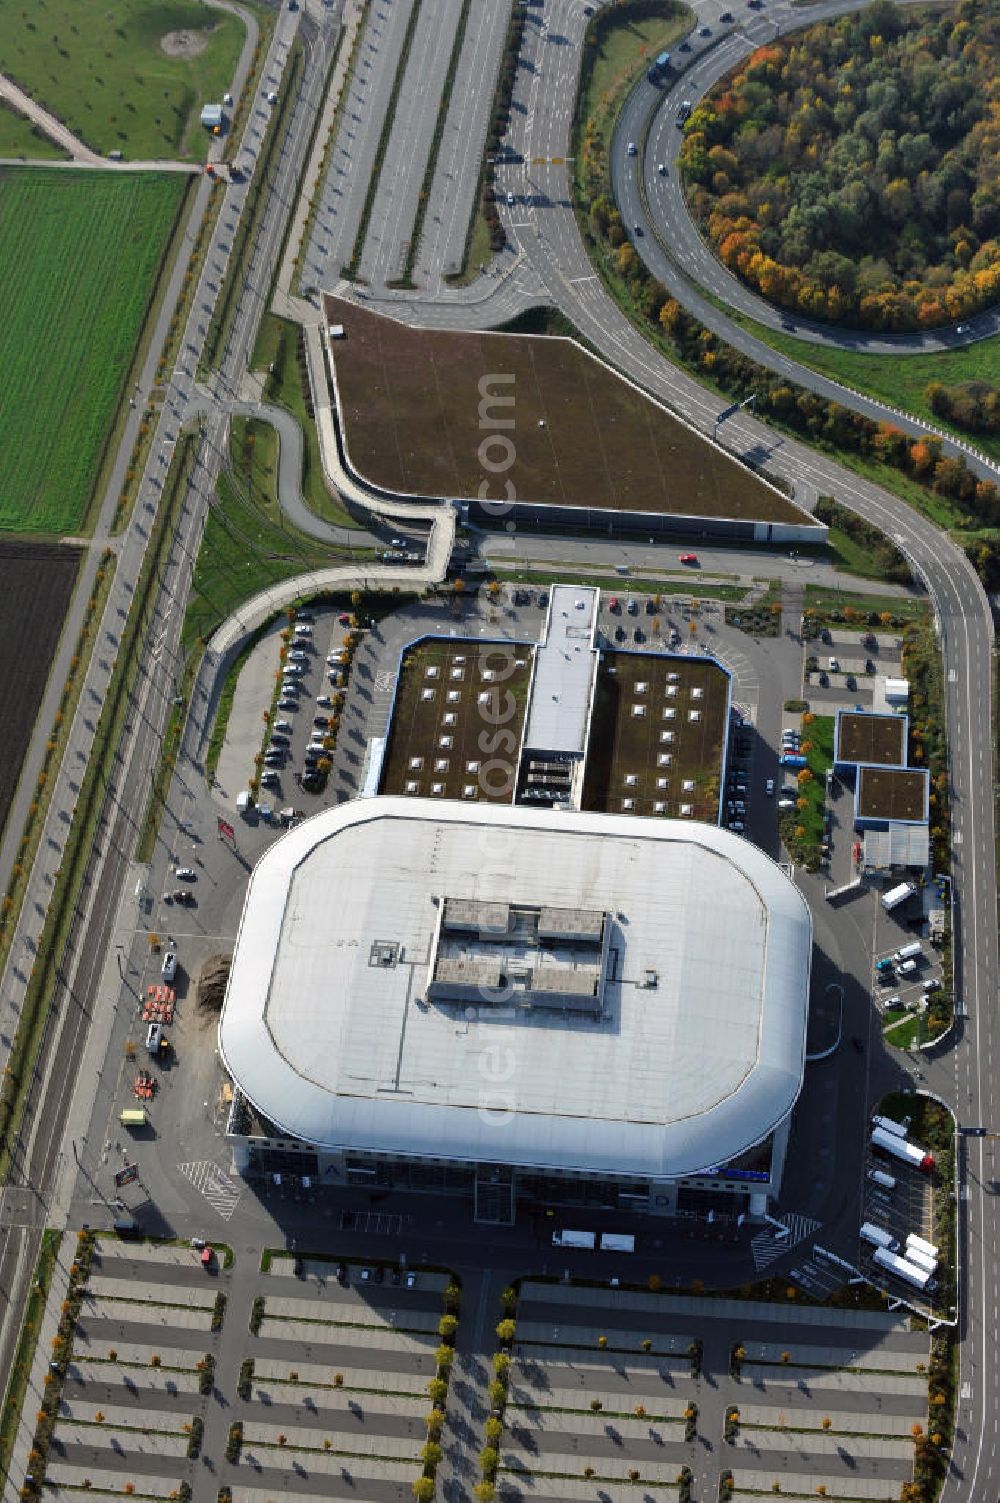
670	1079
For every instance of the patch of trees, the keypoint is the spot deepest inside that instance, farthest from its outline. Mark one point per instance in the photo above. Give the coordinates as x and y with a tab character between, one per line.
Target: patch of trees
499	121
972	405
849	172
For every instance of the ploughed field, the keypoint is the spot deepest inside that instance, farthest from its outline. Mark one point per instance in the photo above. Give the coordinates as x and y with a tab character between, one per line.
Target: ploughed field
81	252
36	582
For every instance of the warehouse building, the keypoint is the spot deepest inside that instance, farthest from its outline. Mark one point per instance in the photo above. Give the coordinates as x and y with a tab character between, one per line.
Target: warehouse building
523	1005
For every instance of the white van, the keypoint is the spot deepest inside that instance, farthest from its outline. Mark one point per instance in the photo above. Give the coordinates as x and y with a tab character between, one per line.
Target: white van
879	1177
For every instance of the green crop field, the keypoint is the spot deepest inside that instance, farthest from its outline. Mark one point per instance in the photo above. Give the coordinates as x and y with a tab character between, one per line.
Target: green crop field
82	251
128	77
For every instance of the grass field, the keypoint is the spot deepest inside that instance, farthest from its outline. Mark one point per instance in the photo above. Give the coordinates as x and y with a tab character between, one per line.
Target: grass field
247	544
19	138
83	250
38	580
624	50
105	69
435	413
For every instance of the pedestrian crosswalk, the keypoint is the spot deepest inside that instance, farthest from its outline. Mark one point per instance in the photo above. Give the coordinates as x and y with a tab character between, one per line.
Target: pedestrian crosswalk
769	1244
219	1189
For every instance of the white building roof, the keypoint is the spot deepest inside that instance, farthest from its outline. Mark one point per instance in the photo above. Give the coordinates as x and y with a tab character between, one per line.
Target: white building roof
564	669
325	1029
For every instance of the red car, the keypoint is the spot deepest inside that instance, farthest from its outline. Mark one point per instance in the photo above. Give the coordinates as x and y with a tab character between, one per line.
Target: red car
688	558
344	619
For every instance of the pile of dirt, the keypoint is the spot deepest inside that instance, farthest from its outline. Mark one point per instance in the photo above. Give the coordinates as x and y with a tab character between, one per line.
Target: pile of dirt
184	43
212	982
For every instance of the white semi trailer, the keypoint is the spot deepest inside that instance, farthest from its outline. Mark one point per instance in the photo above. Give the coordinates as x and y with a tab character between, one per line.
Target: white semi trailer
919	1278
902	1148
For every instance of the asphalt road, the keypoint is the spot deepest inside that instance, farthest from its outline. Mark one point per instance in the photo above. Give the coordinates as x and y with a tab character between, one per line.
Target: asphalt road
545	235
27	1196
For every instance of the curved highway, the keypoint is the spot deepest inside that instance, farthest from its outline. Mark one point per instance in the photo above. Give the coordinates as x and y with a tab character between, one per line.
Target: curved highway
657	220
717	55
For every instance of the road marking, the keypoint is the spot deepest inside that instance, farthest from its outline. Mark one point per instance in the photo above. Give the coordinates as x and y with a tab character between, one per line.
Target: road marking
214	1183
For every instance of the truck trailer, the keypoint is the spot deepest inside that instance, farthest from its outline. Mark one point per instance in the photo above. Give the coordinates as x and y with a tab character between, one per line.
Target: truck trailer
878	1236
920	1259
929	1248
897	895
902	1148
617	1242
902	1268
567	1238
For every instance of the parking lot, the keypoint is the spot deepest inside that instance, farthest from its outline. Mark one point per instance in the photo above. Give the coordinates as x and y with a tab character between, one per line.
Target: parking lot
843	666
619	1387
322	1368
134	1394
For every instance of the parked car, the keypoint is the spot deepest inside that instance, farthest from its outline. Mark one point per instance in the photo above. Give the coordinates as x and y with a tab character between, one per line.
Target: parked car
287	703
282	725
269	778
184	896
185	873
344	618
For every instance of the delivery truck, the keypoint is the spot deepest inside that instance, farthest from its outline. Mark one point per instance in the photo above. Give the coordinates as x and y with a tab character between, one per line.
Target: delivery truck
902	1148
897	895
902	1268
567	1238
